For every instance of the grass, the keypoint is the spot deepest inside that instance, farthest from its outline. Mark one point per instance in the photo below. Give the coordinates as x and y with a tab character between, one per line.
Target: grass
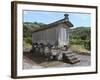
79	49
26	45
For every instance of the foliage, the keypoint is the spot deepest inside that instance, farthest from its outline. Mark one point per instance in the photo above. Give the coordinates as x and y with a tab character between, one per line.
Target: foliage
80	36
27	27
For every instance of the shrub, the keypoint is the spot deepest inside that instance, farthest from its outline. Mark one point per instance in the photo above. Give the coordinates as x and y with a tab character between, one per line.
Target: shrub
85	43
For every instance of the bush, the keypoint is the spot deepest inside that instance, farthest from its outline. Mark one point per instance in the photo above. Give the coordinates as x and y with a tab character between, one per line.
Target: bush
85	43
28	40
80	36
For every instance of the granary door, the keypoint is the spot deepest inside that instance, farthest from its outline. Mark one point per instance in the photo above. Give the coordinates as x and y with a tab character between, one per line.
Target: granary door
63	37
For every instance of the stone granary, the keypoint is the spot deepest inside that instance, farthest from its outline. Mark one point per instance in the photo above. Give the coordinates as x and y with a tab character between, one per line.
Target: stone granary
56	33
51	40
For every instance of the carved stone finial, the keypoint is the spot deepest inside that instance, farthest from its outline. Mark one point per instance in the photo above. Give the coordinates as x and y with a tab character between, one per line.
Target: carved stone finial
66	16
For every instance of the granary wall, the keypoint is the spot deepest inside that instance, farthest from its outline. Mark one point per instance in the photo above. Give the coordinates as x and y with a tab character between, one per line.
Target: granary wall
58	34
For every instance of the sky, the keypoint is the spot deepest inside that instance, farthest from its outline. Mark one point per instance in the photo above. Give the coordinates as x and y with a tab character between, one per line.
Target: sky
77	19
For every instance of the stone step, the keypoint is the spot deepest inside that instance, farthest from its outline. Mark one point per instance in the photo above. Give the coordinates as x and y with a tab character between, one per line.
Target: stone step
75	61
71	55
71	58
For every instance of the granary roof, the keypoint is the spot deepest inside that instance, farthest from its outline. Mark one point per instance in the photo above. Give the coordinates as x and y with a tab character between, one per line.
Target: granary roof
51	25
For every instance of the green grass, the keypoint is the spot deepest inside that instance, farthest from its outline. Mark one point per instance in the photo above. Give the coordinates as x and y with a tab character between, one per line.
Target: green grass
26	45
78	49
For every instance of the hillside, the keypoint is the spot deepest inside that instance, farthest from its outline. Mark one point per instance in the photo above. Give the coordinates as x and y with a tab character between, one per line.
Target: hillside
27	28
81	36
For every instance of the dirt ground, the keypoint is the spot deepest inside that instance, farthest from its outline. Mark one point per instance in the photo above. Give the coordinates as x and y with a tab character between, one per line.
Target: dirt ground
31	61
